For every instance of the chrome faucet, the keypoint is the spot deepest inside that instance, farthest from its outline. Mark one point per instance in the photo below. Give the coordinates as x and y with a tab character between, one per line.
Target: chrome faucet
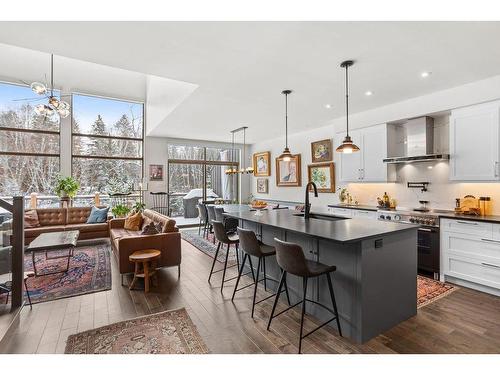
307	207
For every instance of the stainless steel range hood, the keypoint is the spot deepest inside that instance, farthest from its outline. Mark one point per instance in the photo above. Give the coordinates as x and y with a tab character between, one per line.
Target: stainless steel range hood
418	146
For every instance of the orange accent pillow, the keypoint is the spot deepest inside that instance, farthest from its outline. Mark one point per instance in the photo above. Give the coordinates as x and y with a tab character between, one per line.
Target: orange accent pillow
133	222
31	219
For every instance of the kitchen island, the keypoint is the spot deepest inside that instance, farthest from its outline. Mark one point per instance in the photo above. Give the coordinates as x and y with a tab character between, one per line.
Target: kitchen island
375	281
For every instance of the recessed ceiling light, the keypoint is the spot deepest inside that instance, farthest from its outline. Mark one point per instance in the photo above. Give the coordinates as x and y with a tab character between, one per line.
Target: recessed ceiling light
328	106
369	93
425	74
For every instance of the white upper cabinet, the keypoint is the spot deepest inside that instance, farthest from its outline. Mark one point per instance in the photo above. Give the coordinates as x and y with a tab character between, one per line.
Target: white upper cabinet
350	164
366	165
474	143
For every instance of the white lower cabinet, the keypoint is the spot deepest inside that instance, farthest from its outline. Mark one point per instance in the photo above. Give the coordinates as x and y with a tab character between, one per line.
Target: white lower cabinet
352	212
365	213
339	211
470	252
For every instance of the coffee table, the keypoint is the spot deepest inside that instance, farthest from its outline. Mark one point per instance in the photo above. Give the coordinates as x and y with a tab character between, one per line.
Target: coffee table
54	241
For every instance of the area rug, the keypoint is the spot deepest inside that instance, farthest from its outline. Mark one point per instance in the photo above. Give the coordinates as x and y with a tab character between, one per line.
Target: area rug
430	290
207	245
168	332
89	272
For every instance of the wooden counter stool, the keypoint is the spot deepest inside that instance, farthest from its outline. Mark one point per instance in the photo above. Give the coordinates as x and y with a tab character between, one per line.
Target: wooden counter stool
251	246
224	239
144	266
292	260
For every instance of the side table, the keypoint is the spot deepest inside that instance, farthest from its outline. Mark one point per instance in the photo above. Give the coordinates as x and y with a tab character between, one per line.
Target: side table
144	266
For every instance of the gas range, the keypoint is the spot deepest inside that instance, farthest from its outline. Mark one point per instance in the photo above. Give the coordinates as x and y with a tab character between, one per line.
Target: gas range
427	218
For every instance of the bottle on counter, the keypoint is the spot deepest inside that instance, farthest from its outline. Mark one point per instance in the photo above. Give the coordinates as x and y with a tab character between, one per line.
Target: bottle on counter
386	200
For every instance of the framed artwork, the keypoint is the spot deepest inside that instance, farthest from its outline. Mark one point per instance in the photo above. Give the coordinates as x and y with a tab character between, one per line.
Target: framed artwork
321	151
262	164
262	186
288	172
155	172
323	175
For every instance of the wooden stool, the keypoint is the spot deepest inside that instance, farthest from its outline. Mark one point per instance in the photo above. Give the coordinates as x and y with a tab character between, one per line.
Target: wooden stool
144	259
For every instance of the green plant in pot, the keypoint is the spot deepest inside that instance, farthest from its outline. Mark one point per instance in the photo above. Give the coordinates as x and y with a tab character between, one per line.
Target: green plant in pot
120	210
138	207
67	187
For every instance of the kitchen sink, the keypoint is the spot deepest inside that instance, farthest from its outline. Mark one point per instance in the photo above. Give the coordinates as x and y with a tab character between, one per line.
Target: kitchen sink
321	217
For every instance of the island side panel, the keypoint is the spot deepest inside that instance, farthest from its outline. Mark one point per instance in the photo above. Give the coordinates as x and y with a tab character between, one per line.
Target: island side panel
389	282
346	282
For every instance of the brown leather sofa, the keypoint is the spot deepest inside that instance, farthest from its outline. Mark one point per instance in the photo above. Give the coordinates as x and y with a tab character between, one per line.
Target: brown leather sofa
124	242
64	219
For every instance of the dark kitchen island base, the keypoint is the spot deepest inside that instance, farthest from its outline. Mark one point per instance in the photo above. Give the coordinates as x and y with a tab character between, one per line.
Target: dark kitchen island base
375	281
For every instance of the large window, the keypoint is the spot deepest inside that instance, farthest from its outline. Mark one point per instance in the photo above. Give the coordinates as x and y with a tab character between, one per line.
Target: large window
107	144
29	144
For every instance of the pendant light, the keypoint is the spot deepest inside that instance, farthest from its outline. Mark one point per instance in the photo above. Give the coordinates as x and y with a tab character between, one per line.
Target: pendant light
347	146
286	155
54	106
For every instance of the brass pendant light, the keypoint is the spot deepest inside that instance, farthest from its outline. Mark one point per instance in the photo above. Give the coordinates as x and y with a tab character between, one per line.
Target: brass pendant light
286	155
347	146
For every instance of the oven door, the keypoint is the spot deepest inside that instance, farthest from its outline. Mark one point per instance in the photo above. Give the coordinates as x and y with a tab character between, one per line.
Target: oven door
428	249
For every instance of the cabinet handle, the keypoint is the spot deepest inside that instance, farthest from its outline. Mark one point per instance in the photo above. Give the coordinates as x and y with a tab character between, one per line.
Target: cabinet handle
490	265
488	240
467	222
362	173
496	169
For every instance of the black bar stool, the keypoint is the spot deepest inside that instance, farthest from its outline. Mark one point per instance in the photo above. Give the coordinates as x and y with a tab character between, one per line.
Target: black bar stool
211	218
202	209
224	239
251	246
230	223
291	259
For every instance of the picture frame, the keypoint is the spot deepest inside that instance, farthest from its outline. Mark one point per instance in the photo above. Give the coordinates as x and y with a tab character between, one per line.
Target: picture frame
288	173
262	164
155	172
323	175
321	151
262	186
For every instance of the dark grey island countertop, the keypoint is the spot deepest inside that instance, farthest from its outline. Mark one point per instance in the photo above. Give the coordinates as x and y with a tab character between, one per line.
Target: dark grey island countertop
330	228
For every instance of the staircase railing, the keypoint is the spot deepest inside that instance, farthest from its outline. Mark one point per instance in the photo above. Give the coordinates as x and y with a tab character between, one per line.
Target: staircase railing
17	251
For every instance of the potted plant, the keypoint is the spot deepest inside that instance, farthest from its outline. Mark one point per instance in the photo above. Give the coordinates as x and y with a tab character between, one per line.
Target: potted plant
120	210
138	207
67	187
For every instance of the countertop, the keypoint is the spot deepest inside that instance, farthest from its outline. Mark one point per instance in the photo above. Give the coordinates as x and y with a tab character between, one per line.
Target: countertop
354	207
488	218
341	230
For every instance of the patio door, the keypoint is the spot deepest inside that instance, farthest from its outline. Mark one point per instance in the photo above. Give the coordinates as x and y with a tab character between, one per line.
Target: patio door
198	174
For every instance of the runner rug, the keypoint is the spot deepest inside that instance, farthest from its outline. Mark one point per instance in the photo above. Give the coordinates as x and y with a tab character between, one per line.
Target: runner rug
430	290
168	332
207	246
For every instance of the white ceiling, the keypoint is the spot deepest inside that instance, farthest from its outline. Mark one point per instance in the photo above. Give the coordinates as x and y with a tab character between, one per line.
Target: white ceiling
241	67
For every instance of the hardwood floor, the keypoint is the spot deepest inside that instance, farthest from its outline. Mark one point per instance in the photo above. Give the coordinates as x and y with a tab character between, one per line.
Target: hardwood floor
465	321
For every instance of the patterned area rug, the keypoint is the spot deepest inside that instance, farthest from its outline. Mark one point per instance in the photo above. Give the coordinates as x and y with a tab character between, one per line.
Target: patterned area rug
429	290
207	245
168	332
89	272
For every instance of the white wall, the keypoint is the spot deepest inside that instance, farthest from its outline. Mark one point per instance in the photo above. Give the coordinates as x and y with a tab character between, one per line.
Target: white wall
441	193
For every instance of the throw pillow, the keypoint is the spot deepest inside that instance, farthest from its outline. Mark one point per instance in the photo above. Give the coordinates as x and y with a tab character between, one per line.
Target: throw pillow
98	215
150	229
133	222
31	219
159	227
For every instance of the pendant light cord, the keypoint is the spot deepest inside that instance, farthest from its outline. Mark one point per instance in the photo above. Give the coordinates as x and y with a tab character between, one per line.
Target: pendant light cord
244	144
51	75
347	98
286	120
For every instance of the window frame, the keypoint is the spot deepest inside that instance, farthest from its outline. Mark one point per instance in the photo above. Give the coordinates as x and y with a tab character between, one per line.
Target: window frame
32	131
73	134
